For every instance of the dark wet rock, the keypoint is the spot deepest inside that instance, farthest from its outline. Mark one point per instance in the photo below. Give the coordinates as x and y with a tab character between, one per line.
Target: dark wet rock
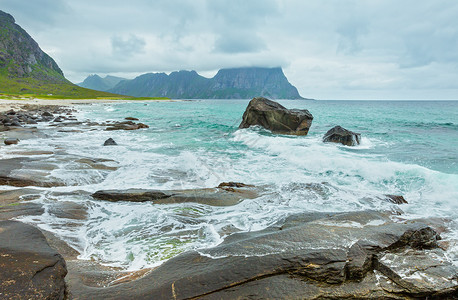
10	141
210	196
31	269
341	135
97	163
126	125
360	255
15	123
131	195
131	119
276	118
110	142
47	114
396	199
25	133
232	184
59	119
68	210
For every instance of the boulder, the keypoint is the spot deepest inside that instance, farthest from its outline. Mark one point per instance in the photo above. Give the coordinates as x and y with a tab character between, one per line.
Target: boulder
10	141
276	118
341	135
31	269
110	142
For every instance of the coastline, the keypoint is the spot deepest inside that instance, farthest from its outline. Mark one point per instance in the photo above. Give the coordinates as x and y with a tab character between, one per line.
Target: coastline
231	270
7	104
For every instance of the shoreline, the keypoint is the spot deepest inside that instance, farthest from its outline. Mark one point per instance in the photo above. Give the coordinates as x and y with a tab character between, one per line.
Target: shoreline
7	104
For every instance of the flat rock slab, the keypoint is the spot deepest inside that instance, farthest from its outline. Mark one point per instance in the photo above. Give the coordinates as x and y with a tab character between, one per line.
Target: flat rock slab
360	255
31	269
210	196
9	173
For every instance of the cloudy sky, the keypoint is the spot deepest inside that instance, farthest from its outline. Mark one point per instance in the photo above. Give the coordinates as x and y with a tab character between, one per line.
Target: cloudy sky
333	49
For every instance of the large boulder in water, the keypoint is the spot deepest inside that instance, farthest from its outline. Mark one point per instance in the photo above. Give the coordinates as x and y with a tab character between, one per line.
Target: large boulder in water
31	269
341	135
275	117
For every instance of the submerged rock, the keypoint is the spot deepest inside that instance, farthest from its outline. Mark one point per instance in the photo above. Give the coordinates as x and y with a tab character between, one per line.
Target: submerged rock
131	119
396	199
31	269
341	135
276	118
110	142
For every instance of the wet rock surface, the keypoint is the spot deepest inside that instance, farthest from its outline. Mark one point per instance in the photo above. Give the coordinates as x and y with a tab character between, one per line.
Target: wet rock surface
323	255
31	269
11	141
343	136
221	196
110	142
396	199
351	255
276	118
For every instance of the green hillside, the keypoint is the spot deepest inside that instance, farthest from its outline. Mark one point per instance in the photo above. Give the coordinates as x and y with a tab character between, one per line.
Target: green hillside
28	71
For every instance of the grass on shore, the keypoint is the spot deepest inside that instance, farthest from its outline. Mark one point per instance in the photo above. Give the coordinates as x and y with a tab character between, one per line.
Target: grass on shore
29	88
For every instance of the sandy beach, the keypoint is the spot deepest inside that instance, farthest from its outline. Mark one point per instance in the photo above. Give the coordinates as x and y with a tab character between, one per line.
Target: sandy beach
7	104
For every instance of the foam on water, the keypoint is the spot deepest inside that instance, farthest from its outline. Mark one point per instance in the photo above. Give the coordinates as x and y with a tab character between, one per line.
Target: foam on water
298	173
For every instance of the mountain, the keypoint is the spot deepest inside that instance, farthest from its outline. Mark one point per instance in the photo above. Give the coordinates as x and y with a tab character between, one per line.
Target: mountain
26	69
236	83
20	55
98	83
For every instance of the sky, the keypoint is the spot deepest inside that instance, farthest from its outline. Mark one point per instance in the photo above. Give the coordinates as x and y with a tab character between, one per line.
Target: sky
333	49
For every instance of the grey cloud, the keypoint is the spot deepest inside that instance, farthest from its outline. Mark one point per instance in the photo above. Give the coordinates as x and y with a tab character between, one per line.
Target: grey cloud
333	47
231	43
39	13
350	34
428	44
125	47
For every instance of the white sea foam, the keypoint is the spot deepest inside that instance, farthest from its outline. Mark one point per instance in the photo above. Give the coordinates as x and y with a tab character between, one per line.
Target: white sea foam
298	173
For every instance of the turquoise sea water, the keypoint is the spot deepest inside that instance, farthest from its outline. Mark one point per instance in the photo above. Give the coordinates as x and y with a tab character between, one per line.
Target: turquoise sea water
408	148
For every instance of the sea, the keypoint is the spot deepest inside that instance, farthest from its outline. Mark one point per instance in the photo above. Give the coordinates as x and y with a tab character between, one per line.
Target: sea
408	148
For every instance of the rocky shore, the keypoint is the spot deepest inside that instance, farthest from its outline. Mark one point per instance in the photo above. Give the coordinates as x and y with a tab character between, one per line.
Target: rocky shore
361	254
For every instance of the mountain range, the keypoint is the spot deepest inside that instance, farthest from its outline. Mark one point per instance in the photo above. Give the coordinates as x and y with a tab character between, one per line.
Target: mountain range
235	83
98	83
25	69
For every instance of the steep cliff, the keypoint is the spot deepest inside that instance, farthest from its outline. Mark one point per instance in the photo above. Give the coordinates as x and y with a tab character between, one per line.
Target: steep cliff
21	57
26	70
